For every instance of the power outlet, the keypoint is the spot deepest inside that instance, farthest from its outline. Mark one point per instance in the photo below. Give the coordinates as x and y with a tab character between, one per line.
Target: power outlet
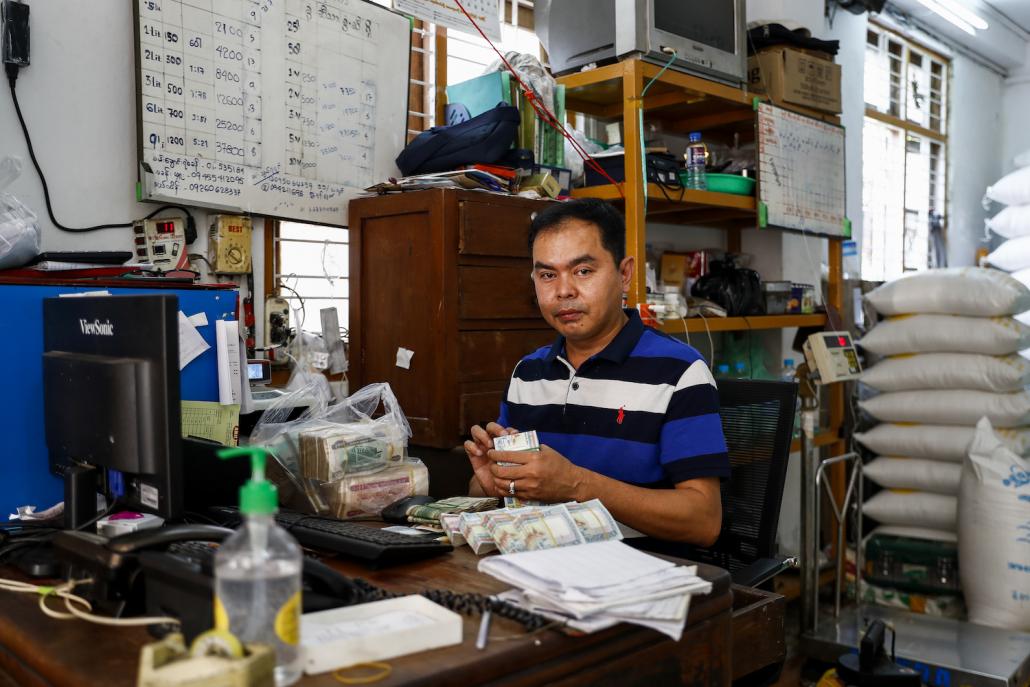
14	40
277	321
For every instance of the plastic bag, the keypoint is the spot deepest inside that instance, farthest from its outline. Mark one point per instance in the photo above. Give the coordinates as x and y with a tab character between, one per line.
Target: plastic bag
326	455
19	232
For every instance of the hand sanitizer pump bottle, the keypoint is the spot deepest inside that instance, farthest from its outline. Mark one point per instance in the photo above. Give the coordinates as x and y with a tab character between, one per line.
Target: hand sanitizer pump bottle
258	574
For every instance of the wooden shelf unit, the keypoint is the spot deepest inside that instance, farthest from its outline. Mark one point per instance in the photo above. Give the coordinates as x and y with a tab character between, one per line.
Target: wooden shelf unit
684	103
742	324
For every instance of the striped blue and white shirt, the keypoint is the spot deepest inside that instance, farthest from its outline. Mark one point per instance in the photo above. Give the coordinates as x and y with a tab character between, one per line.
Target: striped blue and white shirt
645	410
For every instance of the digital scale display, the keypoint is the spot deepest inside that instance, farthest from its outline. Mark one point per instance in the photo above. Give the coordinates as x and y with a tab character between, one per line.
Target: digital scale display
836	341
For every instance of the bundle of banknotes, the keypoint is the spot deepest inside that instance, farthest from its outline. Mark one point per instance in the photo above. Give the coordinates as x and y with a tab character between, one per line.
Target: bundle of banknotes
429	513
531	528
523	441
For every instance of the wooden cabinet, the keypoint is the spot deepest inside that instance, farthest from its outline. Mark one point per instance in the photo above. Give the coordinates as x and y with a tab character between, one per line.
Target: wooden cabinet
445	274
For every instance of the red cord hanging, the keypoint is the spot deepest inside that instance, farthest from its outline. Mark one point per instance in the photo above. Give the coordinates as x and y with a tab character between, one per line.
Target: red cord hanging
541	110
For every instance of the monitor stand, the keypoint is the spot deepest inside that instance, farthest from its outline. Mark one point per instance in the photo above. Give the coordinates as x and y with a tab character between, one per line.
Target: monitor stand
80	496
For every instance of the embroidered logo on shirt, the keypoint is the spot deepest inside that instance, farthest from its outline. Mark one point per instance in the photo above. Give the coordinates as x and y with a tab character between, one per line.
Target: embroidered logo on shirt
622	415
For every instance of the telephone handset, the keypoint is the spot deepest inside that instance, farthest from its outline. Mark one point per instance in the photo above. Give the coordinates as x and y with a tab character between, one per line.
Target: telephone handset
169	571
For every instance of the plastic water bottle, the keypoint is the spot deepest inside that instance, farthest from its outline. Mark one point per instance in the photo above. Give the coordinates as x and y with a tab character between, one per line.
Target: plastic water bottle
790	374
740	370
697	156
723	371
258	574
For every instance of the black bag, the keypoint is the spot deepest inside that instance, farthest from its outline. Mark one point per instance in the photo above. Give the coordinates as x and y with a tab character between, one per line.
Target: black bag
736	289
482	139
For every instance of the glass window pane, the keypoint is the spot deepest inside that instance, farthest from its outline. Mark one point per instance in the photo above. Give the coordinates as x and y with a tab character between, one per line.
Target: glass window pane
316	288
309	318
312	232
917	203
313	259
883	200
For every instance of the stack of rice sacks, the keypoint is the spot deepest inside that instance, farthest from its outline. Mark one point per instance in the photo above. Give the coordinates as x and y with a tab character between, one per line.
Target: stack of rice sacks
950	356
1012	222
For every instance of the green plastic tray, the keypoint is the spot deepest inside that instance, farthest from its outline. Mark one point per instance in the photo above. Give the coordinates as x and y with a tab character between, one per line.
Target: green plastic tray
726	183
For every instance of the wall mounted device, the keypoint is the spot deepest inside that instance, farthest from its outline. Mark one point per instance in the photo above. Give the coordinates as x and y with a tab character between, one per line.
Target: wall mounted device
14	35
277	321
832	355
228	244
161	242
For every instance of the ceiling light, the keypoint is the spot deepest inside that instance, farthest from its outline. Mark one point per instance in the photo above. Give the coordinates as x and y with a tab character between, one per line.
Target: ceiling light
957	14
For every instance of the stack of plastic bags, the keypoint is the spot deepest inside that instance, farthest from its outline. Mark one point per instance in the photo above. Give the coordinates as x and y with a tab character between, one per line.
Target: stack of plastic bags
1013	222
950	349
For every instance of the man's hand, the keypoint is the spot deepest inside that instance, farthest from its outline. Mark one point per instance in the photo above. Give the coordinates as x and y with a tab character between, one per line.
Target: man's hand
476	449
543	475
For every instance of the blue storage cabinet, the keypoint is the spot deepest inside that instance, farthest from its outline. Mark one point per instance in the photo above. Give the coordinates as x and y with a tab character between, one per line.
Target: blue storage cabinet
25	477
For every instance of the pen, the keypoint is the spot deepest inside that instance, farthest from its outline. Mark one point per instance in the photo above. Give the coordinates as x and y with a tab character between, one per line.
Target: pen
484	629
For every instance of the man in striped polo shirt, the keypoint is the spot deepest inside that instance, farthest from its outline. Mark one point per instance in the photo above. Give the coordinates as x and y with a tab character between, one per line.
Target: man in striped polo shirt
624	413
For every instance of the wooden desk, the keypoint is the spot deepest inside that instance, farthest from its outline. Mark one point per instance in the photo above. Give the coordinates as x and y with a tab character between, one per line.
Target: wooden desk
36	650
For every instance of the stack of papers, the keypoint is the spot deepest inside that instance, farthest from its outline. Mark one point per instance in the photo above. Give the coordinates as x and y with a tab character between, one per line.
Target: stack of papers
472	179
594	586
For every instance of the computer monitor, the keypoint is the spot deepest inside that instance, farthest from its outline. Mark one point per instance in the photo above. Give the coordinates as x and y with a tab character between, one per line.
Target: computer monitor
111	401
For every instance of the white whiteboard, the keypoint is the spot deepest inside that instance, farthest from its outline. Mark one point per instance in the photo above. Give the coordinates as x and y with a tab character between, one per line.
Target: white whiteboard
801	172
285	108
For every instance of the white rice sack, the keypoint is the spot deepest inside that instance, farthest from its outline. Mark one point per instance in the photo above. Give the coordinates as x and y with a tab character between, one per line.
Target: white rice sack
997	373
1022	276
974	291
1012	222
913	509
994	533
935	476
1011	256
947	334
1012	189
936	442
915	533
949	407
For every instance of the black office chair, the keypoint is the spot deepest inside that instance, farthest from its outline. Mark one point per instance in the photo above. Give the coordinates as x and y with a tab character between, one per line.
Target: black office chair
758	421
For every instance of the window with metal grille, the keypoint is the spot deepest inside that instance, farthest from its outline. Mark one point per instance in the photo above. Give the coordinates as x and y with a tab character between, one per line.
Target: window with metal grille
904	155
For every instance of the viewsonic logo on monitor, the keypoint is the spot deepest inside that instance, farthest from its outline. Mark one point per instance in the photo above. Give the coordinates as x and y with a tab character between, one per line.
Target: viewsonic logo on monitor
96	327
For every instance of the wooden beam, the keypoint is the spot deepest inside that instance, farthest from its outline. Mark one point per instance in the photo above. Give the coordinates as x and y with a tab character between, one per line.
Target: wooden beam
636	238
441	74
906	125
593	109
711	121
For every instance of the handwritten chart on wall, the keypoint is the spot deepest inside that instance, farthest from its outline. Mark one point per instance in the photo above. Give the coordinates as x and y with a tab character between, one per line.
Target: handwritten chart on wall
285	108
801	172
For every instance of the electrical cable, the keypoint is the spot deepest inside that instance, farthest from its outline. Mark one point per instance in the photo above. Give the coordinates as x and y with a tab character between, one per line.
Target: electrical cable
12	77
640	125
64	591
102	514
711	345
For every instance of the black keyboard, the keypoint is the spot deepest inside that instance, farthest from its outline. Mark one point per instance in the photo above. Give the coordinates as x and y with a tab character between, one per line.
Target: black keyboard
368	544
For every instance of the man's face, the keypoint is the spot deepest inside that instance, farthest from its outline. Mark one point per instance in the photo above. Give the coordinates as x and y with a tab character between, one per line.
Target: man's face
578	285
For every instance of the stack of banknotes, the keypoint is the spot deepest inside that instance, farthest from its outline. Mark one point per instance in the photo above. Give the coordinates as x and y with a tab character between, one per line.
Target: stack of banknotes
429	513
531	528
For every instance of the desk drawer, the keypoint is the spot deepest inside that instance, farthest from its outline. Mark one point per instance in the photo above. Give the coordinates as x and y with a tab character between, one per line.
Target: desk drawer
492	293
494	229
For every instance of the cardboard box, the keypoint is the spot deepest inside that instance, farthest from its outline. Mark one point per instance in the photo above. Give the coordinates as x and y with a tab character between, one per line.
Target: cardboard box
678	268
791	76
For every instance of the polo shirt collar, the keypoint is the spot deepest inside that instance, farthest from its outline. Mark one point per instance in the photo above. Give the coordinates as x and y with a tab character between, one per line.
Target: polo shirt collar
618	349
